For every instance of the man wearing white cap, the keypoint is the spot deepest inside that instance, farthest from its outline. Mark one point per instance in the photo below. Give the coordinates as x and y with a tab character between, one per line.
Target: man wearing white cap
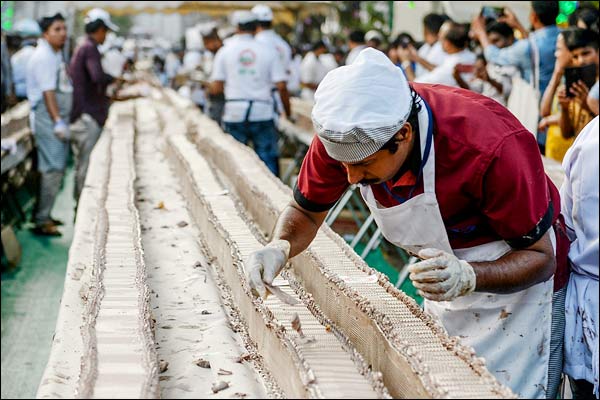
265	34
90	102
245	70
450	176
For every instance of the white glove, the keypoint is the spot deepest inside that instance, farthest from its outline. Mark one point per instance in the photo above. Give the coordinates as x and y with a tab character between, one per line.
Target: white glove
442	276
61	130
265	264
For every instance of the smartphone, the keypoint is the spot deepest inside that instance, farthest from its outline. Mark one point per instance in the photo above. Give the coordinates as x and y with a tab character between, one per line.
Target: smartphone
492	12
465	68
585	73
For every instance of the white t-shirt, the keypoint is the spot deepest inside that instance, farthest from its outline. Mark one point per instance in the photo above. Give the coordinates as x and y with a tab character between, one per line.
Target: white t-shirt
269	37
312	70
249	69
354	53
42	70
19	62
192	59
442	74
433	54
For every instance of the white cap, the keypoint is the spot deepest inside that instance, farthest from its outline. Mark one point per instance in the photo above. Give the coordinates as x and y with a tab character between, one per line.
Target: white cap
359	107
242	17
99	14
263	12
27	28
373	34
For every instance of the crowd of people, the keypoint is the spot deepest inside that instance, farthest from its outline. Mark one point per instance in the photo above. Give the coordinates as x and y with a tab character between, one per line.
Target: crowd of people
499	246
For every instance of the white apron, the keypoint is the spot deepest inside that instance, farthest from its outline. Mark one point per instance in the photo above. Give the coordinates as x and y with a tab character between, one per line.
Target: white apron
511	331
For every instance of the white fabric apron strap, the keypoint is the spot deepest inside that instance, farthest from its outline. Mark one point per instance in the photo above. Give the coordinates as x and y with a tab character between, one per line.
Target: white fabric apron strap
511	331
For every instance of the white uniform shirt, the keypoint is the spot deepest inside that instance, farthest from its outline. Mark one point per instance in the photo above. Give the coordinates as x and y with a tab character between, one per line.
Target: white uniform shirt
172	65
312	70
579	205
192	59
270	38
113	62
42	70
433	54
249	69
354	53
442	74
18	63
293	83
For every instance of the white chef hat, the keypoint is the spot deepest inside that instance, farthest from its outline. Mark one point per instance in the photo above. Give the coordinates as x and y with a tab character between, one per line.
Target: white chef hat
359	107
242	17
263	12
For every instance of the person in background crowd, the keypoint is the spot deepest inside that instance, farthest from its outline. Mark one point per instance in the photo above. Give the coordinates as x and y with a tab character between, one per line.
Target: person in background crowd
113	60
90	105
8	87
592	100
356	43
266	35
158	66
501	35
216	103
374	39
535	50
481	82
403	41
579	205
245	70
584	17
28	30
339	56
430	54
312	71
49	92
294	82
173	63
454	38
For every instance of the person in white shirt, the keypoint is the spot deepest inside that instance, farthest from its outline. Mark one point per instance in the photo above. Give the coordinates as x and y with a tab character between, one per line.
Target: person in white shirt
245	70
579	206
356	44
265	34
49	92
28	30
374	39
293	84
430	54
454	38
212	43
312	71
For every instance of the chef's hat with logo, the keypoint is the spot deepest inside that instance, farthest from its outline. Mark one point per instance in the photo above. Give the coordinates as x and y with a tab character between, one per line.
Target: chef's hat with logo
360	107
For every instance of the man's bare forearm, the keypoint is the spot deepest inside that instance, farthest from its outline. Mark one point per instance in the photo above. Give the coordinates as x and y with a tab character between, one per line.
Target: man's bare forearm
52	105
298	226
518	269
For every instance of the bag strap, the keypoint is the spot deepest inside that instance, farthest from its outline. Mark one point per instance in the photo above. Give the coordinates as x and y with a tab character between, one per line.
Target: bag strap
534	55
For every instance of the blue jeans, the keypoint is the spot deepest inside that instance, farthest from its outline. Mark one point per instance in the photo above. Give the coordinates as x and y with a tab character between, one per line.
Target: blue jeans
263	136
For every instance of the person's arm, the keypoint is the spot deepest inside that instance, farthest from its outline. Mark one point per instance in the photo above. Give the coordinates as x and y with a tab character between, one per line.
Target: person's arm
546	103
52	105
511	19
459	80
518	269
298	226
592	99
405	57
216	87
285	97
566	126
414	55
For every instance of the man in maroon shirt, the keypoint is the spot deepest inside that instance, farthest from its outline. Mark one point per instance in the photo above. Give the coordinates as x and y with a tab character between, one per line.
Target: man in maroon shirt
452	177
90	102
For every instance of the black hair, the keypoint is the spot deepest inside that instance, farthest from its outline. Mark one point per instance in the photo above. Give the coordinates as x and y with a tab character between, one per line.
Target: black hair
546	11
94	26
413	119
588	16
404	38
481	57
458	35
501	28
357	36
265	24
46	22
433	22
248	26
318	44
576	38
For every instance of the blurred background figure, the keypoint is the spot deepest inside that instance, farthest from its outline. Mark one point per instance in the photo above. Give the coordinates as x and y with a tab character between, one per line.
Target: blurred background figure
213	43
430	54
90	100
28	31
356	43
312	70
8	87
374	39
50	93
